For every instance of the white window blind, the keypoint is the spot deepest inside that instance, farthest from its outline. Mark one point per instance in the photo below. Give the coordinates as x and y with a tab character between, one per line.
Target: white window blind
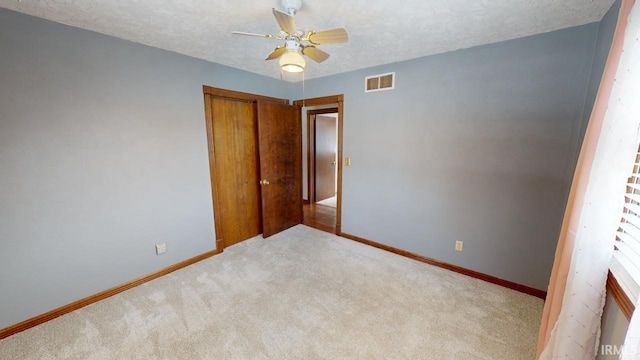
625	264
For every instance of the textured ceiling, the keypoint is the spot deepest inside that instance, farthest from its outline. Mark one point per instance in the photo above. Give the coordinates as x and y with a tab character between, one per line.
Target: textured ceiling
380	31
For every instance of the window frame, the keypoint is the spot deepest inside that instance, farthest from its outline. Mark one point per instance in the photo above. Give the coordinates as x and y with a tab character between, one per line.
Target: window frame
621	284
620	296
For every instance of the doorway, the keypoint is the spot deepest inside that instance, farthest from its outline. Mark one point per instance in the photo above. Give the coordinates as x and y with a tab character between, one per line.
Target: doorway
322	127
324	124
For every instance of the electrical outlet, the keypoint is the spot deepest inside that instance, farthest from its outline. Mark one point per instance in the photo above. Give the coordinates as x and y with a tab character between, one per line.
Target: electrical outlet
161	248
459	245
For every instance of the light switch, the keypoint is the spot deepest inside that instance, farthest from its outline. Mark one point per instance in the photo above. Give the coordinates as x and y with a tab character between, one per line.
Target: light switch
347	161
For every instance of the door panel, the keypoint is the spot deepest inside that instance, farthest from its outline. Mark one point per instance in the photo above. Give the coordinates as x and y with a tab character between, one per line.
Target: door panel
325	162
280	147
235	141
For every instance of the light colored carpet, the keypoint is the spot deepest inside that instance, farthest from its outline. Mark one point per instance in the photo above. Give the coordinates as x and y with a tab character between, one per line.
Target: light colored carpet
332	201
301	294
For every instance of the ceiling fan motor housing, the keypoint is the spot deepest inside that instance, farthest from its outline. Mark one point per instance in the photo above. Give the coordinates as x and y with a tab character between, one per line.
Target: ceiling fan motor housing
292	43
292	6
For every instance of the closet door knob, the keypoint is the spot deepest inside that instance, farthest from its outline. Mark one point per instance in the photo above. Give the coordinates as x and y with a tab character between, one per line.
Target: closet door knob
264	182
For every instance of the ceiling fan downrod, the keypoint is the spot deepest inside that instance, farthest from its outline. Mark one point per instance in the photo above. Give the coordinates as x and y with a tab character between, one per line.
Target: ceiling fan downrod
292	6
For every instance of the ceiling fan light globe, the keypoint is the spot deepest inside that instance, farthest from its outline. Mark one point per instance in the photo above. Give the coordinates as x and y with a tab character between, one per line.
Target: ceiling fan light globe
292	61
292	68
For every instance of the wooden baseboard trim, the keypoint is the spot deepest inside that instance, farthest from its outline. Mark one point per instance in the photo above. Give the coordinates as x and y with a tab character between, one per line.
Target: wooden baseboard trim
478	275
306	201
40	319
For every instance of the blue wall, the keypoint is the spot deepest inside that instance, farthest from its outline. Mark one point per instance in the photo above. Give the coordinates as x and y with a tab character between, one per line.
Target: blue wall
103	154
477	145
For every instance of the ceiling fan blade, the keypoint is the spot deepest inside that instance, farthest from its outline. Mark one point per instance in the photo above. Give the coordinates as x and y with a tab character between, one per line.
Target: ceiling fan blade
333	36
258	35
287	22
277	52
314	53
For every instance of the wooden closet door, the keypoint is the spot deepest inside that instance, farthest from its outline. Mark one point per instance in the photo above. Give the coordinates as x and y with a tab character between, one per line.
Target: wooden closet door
235	141
280	146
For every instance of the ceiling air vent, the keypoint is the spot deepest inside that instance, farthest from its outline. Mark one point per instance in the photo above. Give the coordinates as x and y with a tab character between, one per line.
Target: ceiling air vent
380	82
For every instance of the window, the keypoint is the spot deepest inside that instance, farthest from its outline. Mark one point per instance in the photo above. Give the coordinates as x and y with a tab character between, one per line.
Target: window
625	264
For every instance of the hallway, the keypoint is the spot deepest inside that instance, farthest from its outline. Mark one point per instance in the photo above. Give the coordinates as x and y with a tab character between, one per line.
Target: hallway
320	217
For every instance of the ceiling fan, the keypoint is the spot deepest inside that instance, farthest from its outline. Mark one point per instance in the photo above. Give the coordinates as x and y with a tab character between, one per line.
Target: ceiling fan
289	52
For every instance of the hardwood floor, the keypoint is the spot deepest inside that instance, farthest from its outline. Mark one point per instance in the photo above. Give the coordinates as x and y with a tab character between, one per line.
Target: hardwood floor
320	217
